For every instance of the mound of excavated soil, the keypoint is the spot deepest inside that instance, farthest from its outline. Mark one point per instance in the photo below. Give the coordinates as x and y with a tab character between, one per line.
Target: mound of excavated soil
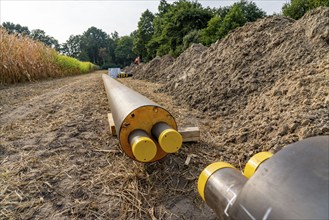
184	63
154	70
133	68
250	60
266	83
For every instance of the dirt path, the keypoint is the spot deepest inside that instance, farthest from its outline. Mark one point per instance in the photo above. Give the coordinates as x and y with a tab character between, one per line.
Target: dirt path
57	160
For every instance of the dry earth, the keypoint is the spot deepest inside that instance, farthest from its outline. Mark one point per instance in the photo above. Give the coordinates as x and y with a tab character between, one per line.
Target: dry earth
58	161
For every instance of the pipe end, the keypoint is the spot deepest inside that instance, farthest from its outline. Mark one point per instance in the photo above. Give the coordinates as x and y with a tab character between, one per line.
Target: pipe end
144	149
170	140
207	172
254	162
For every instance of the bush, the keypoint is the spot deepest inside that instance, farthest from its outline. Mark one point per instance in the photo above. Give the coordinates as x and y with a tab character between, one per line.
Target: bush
297	8
71	66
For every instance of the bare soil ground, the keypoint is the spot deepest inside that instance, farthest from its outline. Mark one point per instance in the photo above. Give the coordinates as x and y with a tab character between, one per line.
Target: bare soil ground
58	161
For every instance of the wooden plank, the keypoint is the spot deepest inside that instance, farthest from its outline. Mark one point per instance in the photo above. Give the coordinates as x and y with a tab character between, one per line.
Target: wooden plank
111	123
190	134
191	139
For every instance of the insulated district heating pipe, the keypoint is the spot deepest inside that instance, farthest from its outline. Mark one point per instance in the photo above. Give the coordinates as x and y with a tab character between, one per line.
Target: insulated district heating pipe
291	184
146	131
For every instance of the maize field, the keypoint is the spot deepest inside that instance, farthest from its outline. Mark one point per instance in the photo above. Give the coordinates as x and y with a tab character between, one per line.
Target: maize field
22	60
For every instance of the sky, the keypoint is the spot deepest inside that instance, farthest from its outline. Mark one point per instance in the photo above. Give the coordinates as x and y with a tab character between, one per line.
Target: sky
62	18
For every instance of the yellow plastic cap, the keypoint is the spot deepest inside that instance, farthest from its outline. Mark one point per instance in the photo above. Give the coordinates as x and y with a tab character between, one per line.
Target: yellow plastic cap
207	172
144	149
170	140
254	162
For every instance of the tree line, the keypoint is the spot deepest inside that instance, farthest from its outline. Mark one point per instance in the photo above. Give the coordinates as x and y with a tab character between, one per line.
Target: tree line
177	25
93	45
297	8
169	31
36	34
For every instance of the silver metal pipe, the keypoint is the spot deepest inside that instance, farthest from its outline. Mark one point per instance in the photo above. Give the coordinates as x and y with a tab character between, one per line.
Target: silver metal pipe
292	184
132	111
222	189
123	100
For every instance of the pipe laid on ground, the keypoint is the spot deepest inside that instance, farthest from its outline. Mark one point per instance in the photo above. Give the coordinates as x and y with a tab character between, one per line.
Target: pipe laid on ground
291	184
135	116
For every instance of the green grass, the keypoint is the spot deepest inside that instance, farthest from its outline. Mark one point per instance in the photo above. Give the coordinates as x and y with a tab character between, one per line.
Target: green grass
70	66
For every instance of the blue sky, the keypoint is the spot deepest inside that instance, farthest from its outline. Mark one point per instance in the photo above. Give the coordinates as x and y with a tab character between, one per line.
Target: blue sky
60	19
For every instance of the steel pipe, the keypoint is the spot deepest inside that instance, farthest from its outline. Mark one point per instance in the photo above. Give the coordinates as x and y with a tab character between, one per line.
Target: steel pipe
254	162
143	147
169	139
292	184
132	111
218	185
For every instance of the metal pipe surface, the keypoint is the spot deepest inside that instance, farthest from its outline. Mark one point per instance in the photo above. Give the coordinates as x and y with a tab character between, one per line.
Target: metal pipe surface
292	184
133	111
222	189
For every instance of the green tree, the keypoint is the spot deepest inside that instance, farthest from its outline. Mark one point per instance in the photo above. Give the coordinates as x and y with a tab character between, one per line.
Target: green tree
297	8
235	18
115	35
111	45
72	47
37	34
16	28
124	51
104	55
144	34
191	37
163	7
92	40
222	11
238	14
250	10
318	3
40	35
211	33
176	21
159	22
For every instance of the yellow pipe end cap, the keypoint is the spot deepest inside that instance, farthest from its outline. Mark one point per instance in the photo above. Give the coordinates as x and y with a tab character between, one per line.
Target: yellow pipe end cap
144	149
207	172
170	140
254	162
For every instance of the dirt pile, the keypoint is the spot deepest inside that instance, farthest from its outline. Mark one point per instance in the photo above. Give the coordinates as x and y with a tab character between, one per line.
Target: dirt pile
154	70
266	83
133	68
185	62
250	60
